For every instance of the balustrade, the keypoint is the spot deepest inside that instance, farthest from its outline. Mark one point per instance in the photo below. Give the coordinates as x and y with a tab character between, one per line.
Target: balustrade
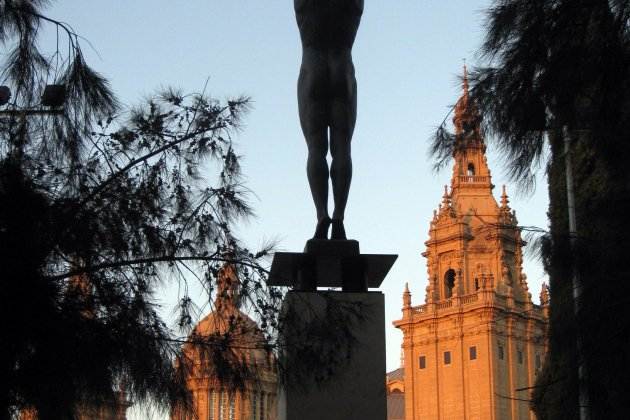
420	309
472	178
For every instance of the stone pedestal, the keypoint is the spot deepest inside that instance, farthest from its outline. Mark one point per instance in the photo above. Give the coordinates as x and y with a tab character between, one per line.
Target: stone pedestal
330	263
356	386
333	341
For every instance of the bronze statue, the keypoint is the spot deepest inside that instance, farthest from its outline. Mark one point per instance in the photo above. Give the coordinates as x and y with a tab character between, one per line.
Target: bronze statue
327	101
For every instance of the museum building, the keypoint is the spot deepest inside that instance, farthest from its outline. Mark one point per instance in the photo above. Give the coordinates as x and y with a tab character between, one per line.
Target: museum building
474	348
212	399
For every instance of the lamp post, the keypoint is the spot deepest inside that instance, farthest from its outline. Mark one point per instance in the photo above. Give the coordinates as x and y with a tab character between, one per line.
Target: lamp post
576	283
5	95
53	98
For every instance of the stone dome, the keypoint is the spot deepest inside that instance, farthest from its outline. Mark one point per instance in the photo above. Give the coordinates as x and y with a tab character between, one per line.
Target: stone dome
228	371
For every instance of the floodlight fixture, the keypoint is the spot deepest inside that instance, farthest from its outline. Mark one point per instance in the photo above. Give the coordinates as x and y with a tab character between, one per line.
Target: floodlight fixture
5	95
54	96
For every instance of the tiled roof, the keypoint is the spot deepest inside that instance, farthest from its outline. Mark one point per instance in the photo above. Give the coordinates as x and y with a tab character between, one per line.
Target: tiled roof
398	374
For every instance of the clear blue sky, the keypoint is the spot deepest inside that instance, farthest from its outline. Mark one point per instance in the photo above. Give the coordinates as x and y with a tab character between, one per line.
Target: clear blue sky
407	54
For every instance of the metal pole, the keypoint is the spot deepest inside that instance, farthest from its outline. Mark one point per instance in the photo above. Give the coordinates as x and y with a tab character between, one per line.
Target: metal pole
576	284
22	112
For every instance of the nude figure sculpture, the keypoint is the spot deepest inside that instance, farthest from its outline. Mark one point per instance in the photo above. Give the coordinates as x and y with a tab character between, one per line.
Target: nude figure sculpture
327	102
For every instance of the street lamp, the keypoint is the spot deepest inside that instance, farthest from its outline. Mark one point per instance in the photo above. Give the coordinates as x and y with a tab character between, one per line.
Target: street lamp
5	95
53	98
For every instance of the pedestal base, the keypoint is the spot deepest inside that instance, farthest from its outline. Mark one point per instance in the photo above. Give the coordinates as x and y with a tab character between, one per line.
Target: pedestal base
356	386
330	263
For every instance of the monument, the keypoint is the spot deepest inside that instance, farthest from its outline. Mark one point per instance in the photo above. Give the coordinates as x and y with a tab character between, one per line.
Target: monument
327	102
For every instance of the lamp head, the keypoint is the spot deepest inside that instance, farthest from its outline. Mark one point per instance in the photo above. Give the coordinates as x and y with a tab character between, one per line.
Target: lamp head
54	96
5	95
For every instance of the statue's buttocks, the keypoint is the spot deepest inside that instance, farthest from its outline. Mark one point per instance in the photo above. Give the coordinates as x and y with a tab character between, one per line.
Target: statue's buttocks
327	101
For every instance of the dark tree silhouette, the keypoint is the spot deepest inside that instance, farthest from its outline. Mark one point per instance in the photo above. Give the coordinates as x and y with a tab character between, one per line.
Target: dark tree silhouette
99	207
549	65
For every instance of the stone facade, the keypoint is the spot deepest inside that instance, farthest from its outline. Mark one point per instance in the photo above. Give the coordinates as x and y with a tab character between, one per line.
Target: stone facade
473	350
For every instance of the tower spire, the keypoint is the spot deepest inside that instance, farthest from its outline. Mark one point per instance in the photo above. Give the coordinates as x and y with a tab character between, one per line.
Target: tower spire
466	118
465	81
504	199
446	198
470	171
406	297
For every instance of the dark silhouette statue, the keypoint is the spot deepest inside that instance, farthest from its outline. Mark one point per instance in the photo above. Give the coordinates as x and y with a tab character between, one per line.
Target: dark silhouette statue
327	101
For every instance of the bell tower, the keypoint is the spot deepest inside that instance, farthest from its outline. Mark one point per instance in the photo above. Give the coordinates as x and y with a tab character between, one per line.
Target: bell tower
475	346
471	176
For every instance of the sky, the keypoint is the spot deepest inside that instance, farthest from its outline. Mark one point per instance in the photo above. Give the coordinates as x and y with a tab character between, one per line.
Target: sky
408	55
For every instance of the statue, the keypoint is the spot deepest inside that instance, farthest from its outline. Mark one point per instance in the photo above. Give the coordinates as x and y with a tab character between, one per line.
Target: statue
327	102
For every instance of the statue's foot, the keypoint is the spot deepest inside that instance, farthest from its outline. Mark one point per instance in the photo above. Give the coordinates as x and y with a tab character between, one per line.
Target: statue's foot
321	230
338	231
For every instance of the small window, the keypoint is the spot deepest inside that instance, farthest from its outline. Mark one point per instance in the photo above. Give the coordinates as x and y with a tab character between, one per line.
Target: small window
254	406
472	352
423	362
519	355
212	405
222	405
476	284
262	406
501	353
447	357
471	169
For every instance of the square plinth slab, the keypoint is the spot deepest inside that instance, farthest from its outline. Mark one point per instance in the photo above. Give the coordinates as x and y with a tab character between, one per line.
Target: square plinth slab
330	263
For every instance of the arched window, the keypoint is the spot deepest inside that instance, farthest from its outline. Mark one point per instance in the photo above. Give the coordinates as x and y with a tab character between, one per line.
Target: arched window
471	169
449	283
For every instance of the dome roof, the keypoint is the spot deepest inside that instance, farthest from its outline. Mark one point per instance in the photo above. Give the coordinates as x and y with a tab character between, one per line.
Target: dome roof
225	319
228	327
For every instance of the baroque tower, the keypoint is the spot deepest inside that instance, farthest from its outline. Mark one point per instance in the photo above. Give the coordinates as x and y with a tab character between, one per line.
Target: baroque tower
473	350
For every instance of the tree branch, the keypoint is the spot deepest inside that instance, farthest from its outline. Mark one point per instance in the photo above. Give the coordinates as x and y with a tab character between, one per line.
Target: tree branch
152	260
138	160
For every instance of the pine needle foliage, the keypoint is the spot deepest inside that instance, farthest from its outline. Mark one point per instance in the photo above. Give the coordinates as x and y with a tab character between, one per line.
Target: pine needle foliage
100	207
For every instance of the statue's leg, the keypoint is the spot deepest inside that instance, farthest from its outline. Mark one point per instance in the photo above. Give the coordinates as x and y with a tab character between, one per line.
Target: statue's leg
343	119
313	119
